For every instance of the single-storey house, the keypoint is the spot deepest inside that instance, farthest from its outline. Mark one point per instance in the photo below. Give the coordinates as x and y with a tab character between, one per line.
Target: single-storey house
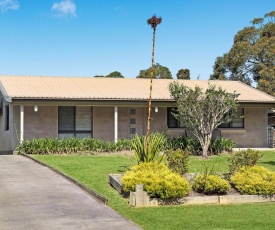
112	108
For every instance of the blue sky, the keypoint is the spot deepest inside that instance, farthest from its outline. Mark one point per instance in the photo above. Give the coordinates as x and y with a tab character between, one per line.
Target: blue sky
96	37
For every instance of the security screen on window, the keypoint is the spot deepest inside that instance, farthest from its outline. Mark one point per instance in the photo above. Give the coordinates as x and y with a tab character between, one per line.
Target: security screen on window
74	121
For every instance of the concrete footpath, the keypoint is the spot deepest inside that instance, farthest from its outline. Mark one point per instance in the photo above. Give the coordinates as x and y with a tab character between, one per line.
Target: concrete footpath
34	197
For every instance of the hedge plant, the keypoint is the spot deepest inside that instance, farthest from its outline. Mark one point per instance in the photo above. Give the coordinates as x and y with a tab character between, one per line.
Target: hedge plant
157	180
72	145
178	160
210	184
192	145
241	158
254	180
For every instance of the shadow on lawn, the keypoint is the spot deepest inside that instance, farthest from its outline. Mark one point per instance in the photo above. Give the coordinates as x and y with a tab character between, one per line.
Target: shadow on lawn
123	169
268	162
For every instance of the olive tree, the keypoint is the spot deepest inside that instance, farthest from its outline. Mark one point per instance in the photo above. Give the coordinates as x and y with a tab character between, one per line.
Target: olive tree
202	111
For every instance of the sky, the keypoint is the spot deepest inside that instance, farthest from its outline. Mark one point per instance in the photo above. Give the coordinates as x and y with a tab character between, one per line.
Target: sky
84	38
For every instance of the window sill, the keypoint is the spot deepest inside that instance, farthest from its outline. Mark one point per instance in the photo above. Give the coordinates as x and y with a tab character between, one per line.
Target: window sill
232	130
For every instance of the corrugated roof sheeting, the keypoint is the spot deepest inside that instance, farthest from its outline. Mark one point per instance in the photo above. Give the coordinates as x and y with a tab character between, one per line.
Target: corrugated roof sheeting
25	87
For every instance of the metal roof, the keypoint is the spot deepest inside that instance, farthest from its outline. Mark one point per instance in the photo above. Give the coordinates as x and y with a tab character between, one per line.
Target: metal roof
84	88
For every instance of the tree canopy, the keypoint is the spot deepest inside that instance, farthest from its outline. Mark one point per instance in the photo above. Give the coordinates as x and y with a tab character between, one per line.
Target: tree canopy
183	74
160	72
202	111
114	74
252	56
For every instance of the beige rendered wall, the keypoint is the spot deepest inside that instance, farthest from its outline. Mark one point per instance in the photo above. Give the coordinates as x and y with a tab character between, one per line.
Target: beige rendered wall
43	123
141	121
159	120
40	124
103	122
255	132
6	135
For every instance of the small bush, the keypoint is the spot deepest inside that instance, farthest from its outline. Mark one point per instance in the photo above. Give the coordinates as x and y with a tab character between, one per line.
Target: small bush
210	184
157	180
219	145
254	180
182	142
247	157
178	160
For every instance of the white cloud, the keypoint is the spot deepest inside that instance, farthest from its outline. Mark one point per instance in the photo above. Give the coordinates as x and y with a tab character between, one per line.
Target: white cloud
64	8
6	5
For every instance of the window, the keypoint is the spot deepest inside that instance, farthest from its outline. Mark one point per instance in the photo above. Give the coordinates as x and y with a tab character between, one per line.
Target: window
132	111
74	121
132	131
172	122
7	120
236	122
132	121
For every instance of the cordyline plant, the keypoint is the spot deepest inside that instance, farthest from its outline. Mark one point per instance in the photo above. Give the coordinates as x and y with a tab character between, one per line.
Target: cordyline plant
153	21
202	111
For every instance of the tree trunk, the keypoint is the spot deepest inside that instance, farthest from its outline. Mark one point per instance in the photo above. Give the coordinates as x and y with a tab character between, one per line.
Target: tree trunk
205	147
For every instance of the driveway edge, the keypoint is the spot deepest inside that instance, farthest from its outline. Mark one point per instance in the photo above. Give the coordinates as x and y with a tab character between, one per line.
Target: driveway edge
91	192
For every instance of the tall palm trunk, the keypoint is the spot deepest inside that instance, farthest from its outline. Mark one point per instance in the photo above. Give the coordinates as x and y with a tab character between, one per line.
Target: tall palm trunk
154	21
150	94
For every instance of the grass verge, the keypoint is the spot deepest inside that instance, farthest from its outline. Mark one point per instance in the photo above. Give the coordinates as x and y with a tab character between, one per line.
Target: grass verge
93	172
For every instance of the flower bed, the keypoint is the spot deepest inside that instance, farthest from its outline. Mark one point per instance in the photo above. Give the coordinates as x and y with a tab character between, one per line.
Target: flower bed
140	198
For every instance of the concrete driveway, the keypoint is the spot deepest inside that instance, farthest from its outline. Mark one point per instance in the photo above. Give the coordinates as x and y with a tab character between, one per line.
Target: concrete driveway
34	197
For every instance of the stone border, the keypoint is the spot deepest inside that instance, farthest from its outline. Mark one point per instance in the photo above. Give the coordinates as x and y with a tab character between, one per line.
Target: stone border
140	198
91	192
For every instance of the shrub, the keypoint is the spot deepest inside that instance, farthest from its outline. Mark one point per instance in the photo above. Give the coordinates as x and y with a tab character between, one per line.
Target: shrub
220	145
247	157
71	145
177	160
210	184
192	145
254	180
124	144
182	142
157	180
155	146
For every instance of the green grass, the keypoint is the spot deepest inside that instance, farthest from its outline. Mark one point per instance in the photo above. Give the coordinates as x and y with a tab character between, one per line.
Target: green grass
93	171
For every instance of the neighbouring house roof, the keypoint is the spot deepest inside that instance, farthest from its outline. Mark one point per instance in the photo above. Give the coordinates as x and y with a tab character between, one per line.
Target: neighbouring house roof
80	88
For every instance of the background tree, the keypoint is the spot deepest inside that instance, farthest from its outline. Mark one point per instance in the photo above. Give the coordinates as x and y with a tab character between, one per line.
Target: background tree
160	72
251	57
183	74
203	111
115	74
153	21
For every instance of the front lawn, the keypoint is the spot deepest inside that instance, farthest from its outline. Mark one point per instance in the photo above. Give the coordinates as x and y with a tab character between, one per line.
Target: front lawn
93	172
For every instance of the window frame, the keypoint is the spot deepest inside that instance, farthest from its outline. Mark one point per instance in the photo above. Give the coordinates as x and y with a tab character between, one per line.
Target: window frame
230	124
7	118
179	126
74	131
169	115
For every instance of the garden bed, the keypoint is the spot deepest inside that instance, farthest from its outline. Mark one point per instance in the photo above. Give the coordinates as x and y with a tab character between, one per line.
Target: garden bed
140	198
